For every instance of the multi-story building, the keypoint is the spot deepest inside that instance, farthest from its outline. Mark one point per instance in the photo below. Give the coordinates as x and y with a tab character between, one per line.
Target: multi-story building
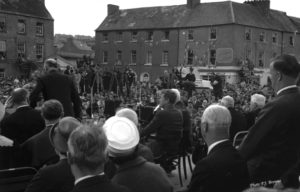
26	34
212	37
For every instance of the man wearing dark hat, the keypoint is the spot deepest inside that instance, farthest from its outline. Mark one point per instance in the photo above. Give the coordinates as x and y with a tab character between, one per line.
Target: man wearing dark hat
57	177
133	171
54	85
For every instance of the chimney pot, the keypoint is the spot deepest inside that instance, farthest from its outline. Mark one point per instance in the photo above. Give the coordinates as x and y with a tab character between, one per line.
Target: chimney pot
112	9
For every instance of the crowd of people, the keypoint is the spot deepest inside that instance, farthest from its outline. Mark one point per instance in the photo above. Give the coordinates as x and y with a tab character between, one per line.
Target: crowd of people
125	136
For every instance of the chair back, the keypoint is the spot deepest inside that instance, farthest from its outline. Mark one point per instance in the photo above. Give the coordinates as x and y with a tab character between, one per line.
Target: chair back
238	138
16	179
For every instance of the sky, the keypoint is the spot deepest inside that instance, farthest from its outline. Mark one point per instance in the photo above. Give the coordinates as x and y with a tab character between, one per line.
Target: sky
82	17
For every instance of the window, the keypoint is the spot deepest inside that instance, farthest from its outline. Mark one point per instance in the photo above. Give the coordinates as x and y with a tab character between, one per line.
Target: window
248	34
166	35
133	57
212	57
165	58
105	57
2	50
21	26
119	36
39	29
149	58
248	53
119	58
21	50
134	36
2	72
274	54
190	57
39	52
261	58
291	41
190	35
274	38
213	34
262	37
105	37
150	36
2	25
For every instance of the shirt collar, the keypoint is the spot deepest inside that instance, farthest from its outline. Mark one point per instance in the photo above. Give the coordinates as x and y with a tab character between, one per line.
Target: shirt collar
86	177
22	106
215	144
285	88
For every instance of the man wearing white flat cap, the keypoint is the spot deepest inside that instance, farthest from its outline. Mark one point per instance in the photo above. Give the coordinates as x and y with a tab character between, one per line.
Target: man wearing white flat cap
134	171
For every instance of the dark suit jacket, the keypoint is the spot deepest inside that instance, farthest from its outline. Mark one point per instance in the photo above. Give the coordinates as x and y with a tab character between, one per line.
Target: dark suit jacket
238	123
22	124
38	150
55	85
168	126
222	170
98	183
273	143
251	117
142	176
53	178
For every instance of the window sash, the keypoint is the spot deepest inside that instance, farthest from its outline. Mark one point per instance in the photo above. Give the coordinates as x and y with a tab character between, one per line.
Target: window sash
165	57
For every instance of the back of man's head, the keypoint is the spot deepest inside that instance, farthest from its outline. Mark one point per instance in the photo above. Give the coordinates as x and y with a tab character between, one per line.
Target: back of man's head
258	100
170	95
60	133
88	148
227	101
52	110
287	65
51	64
216	120
19	96
129	114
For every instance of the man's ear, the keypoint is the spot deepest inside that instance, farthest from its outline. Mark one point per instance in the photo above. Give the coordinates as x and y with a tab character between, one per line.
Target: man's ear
280	76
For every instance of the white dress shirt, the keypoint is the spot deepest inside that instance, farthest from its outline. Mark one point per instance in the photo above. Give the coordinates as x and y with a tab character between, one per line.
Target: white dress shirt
286	88
215	144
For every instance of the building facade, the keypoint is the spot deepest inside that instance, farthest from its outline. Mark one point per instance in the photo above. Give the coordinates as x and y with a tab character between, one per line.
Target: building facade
26	34
212	37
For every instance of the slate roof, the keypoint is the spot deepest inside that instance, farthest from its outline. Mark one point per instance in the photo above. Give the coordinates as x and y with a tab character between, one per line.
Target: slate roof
34	8
296	22
75	49
205	14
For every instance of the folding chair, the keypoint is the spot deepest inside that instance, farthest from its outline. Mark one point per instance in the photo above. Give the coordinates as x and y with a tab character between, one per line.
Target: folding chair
16	179
238	138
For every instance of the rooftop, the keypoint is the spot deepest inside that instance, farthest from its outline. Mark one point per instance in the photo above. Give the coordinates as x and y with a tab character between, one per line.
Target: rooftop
204	14
34	8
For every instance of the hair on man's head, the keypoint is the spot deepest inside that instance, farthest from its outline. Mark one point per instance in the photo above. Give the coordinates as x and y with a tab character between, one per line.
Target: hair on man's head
287	65
170	95
52	110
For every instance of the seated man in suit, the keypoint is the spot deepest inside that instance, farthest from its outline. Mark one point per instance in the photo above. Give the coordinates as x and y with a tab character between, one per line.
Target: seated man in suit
57	177
19	126
38	149
238	120
133	171
272	145
167	124
257	102
223	169
86	155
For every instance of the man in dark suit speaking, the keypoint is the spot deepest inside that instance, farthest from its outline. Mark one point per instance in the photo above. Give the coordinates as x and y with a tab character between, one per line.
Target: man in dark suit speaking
223	169
54	85
272	145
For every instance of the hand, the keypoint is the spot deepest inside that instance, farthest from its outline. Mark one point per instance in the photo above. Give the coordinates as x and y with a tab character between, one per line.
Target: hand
5	142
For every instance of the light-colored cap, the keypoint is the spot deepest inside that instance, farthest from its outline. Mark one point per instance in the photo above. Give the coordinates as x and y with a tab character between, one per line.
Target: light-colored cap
122	135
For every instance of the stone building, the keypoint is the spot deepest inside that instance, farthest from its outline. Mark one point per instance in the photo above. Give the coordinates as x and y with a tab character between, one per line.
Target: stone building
212	37
26	34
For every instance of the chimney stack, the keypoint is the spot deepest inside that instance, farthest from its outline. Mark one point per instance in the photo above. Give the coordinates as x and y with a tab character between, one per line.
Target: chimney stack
263	5
192	3
112	9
